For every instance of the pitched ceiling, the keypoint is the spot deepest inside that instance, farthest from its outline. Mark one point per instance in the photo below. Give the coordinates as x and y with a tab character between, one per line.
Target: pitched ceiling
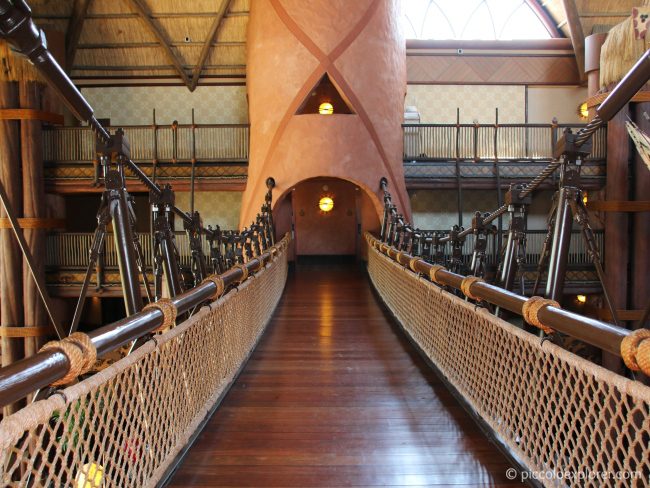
150	38
205	39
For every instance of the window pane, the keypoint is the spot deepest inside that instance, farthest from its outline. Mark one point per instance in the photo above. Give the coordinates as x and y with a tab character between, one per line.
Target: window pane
471	19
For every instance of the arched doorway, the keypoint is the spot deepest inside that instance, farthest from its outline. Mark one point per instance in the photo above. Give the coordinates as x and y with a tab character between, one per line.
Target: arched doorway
327	217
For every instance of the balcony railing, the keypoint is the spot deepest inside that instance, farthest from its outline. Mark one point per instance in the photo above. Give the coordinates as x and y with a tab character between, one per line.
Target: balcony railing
69	250
205	142
578	254
507	142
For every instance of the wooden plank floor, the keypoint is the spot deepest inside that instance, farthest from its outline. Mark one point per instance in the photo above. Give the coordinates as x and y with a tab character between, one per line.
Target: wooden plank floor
334	396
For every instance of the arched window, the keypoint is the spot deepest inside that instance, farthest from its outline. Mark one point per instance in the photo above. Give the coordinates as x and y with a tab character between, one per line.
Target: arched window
472	19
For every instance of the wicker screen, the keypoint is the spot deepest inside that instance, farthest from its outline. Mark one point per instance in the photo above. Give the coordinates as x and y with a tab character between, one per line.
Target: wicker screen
571	422
124	426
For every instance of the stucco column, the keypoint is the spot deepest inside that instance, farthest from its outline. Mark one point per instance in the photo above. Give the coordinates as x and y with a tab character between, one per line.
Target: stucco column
360	46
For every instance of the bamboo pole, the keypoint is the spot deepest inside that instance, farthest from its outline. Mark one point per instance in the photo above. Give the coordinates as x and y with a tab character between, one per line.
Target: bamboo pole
33	206
11	300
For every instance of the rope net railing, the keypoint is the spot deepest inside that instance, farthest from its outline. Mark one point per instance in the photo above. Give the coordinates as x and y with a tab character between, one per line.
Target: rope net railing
125	425
567	420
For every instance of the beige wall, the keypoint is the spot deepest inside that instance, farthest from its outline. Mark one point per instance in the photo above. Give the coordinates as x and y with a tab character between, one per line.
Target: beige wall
438	209
546	102
133	105
437	103
216	207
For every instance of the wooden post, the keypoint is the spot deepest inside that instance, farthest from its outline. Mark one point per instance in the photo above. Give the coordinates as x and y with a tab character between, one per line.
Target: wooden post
33	206
640	293
11	260
616	223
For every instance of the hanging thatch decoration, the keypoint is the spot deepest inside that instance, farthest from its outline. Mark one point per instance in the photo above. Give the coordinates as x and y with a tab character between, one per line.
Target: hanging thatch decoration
14	67
625	44
641	141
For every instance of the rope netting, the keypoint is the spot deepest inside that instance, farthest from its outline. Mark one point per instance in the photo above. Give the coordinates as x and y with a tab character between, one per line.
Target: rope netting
569	421
124	426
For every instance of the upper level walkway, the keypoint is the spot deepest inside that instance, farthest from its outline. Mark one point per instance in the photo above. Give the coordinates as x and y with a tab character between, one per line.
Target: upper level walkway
334	395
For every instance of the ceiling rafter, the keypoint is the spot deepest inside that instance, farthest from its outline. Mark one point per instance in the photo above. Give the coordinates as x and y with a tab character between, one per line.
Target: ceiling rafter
73	33
577	35
145	14
207	46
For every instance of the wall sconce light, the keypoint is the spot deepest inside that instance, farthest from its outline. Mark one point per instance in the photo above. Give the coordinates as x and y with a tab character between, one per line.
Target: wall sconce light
326	108
326	204
585	198
583	111
582	298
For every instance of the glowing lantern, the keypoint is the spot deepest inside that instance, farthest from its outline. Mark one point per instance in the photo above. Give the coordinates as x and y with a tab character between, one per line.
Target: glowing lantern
326	204
325	108
582	298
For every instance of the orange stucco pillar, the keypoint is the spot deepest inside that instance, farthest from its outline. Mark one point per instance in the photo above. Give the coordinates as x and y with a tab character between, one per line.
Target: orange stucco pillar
360	46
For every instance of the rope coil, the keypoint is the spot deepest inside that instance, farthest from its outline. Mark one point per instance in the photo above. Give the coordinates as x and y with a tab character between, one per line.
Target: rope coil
635	350
218	283
167	308
434	270
244	271
531	309
466	285
80	353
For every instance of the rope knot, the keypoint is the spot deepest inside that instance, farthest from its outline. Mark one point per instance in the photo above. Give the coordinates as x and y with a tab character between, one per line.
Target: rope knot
434	270
531	309
466	286
218	283
167	308
412	264
635	350
80	353
244	271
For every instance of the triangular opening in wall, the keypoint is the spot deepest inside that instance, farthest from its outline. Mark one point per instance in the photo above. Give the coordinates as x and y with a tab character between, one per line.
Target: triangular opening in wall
325	98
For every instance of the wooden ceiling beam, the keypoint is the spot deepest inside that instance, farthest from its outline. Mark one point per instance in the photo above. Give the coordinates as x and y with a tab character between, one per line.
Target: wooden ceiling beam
207	46
145	14
577	35
75	25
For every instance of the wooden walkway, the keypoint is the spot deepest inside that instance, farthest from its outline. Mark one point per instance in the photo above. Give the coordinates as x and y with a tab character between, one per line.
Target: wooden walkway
334	396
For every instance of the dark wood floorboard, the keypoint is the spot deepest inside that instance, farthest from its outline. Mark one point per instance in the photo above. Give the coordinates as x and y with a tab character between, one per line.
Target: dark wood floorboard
335	396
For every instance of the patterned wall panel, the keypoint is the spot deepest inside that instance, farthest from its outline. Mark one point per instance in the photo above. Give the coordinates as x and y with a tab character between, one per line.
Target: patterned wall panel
134	105
216	207
438	209
551	69
438	103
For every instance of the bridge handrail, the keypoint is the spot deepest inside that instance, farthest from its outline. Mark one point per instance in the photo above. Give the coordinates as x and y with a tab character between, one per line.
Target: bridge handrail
560	418
21	378
127	424
607	337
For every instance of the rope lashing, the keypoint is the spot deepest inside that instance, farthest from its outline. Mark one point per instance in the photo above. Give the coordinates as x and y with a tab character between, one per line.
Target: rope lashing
466	285
399	257
384	248
218	283
434	270
244	271
412	264
167	308
635	350
274	252
80	353
531	309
